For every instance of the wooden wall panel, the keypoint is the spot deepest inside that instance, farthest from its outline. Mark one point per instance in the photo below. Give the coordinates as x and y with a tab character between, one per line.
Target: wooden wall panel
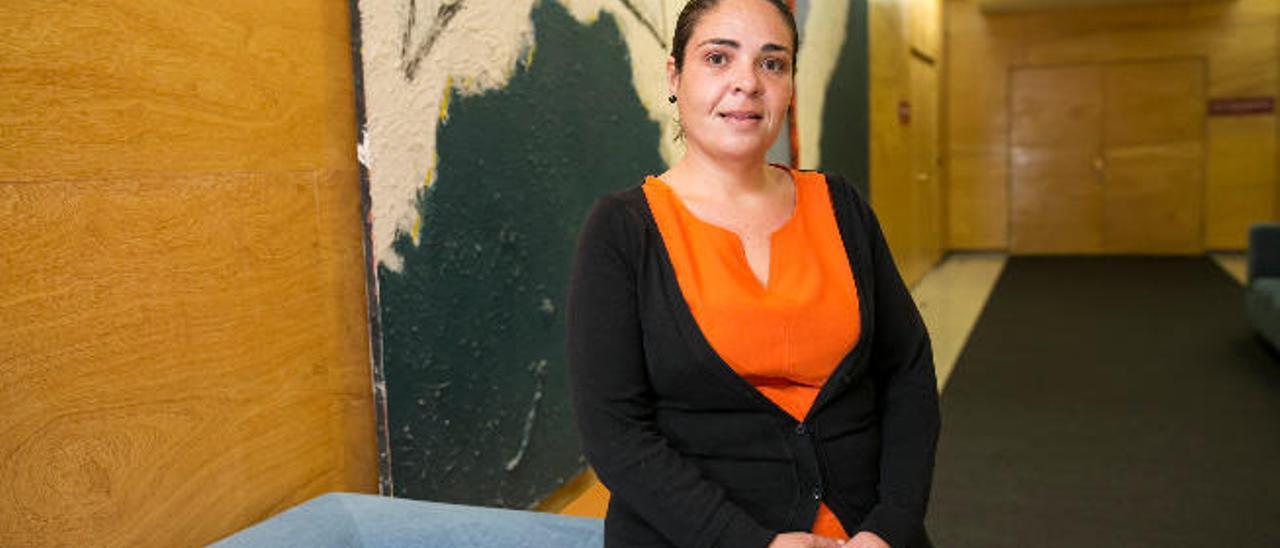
1237	39
1245	189
925	26
1154	137
891	188
976	143
925	150
181	357
901	200
183	329
149	86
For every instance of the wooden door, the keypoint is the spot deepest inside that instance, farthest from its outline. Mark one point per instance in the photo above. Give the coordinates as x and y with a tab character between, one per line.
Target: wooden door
1107	158
1154	152
924	162
1055	138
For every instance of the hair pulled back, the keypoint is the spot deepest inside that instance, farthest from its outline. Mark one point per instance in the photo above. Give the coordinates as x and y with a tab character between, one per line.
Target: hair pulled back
695	9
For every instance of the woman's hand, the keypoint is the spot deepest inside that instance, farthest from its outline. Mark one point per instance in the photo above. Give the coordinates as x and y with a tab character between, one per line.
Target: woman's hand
803	540
866	539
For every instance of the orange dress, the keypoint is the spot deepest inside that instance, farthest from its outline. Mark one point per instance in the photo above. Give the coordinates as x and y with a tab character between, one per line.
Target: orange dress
784	337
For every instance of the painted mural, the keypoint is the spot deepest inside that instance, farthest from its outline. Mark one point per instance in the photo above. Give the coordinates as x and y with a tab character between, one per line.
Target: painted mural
488	127
844	140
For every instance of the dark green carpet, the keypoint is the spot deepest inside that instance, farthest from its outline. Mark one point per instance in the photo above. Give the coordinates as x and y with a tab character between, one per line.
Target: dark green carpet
1110	401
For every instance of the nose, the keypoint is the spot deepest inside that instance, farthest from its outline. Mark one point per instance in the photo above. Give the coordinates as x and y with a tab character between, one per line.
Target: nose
745	79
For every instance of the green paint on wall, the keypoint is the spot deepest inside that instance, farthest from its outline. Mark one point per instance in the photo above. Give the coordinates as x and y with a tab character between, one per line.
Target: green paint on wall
846	120
473	327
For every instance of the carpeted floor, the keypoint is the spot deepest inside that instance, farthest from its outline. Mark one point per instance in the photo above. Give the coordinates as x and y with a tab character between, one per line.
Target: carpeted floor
1110	402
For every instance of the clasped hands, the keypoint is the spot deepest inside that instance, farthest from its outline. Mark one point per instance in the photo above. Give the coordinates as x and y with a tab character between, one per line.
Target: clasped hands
864	539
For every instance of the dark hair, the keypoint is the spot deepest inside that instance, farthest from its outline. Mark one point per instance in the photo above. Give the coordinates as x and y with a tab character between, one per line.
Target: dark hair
693	12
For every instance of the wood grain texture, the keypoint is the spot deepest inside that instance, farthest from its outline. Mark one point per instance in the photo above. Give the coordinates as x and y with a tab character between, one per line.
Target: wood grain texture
1107	158
1154	199
925	171
181	356
1245	188
1055	134
901	152
1238	41
113	87
965	170
183	328
1154	156
1056	107
1154	102
892	194
925	21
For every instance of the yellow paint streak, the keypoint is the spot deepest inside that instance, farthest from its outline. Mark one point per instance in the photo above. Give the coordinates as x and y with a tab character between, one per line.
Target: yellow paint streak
528	56
430	170
417	229
444	101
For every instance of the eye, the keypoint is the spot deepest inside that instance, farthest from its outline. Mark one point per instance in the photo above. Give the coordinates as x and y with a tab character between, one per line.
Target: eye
717	58
773	64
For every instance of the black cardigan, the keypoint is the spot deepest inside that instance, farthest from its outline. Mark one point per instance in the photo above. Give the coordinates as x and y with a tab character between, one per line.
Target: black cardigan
693	454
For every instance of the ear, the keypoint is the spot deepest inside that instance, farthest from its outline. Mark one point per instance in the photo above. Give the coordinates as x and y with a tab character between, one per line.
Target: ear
673	76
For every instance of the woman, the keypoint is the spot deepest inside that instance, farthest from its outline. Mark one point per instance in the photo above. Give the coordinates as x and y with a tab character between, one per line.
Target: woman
748	369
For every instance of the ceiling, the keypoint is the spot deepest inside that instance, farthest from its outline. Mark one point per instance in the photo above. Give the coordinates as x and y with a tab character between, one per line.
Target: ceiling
1003	6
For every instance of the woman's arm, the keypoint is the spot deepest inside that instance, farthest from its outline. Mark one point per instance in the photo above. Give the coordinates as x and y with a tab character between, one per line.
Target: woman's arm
614	402
902	365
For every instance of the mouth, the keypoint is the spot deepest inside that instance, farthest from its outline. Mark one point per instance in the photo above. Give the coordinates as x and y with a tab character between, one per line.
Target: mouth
740	115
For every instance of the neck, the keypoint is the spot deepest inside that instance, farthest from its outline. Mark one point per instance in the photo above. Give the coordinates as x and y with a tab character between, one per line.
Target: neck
732	177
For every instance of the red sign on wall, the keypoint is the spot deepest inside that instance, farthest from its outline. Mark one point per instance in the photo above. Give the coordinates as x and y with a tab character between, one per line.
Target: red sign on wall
1241	106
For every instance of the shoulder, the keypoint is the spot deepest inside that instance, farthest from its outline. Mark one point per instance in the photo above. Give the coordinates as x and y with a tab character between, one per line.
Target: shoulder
616	219
621	209
846	197
622	201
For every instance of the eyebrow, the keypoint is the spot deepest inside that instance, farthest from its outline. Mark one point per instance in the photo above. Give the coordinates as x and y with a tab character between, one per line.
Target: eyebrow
735	45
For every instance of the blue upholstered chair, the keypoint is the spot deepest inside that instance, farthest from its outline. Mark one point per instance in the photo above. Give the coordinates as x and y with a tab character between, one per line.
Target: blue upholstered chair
1262	293
348	520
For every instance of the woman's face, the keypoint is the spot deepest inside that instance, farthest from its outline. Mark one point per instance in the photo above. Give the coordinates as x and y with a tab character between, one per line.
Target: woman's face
736	83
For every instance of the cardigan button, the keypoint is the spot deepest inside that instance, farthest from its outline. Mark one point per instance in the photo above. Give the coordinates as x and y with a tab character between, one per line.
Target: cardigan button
817	492
801	429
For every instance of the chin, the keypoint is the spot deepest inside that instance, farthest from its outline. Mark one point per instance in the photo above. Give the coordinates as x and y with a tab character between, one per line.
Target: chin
736	146
740	153
740	147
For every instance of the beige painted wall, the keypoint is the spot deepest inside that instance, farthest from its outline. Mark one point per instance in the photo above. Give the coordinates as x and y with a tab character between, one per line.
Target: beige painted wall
183	337
1237	40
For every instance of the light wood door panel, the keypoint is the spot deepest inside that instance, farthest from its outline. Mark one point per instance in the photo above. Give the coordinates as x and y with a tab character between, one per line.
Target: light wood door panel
1057	204
1056	106
1154	102
1107	158
1153	135
1055	136
924	162
1154	199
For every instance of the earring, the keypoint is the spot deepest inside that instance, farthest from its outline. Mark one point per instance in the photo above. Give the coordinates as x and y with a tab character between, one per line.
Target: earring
671	99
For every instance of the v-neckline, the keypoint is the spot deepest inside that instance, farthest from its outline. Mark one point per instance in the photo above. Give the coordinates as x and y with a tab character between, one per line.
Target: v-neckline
699	343
771	269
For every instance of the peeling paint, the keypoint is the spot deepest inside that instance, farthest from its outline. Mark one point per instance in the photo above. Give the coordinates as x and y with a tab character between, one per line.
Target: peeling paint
477	297
480	45
539	369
